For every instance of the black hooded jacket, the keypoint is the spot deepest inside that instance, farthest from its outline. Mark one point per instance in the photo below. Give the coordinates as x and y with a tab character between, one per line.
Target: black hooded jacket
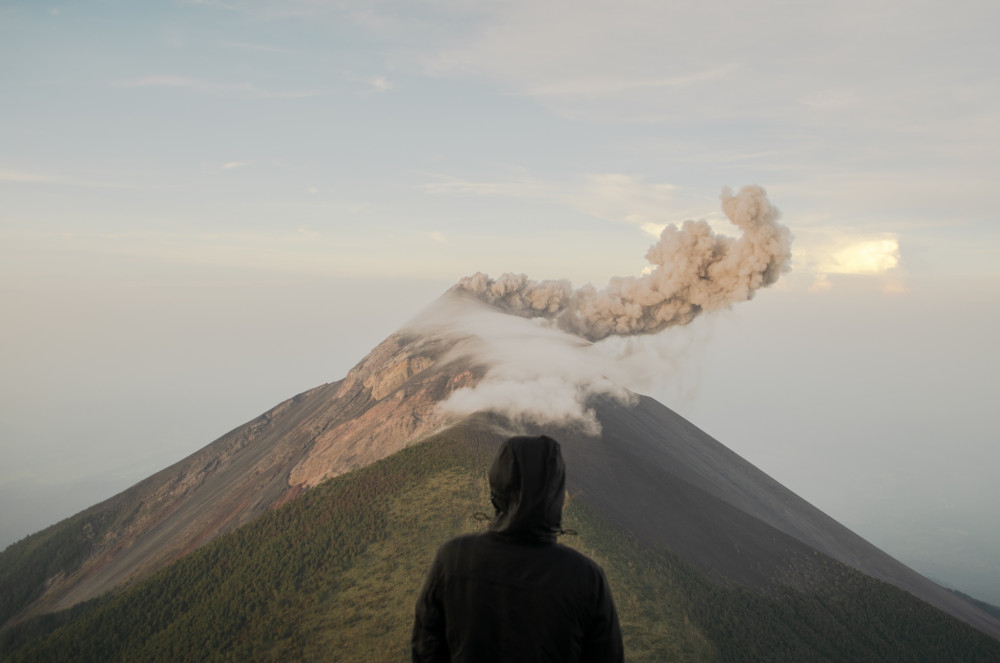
512	594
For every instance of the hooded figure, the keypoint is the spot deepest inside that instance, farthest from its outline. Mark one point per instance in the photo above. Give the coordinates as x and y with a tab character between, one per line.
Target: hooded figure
513	594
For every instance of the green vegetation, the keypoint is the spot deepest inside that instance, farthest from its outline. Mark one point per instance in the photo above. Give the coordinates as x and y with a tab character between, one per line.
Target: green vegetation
333	575
26	565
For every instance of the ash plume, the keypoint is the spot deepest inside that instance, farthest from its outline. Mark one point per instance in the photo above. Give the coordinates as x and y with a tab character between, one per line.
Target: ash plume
693	271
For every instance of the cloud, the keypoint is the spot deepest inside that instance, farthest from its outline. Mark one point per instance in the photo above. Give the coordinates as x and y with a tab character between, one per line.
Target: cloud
256	47
830	251
213	87
631	199
585	86
212	3
689	60
19	176
618	197
235	164
24	177
864	257
380	84
852	90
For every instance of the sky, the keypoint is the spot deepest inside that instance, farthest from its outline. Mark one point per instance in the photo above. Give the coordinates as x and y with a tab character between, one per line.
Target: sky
208	207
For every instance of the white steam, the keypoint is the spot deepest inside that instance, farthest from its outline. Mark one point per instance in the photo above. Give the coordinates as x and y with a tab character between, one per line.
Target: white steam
693	270
535	374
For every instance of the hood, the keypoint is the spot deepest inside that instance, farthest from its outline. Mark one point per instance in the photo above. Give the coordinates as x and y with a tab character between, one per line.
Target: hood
527	488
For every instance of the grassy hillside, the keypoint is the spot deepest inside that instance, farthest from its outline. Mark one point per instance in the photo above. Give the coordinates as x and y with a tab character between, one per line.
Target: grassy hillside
333	575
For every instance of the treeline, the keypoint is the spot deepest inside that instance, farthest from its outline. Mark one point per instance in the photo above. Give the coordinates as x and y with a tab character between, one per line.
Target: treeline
333	575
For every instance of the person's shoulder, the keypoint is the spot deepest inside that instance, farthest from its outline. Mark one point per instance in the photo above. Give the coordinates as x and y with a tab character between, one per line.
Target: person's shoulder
572	556
460	543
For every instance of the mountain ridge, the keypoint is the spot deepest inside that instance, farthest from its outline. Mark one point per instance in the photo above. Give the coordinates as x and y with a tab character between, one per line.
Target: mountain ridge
649	471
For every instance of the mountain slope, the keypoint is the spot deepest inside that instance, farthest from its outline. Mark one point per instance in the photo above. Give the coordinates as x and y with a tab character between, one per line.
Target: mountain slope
649	474
333	575
334	428
669	483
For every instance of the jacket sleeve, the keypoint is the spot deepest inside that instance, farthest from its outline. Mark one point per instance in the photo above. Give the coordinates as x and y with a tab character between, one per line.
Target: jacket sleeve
429	643
603	641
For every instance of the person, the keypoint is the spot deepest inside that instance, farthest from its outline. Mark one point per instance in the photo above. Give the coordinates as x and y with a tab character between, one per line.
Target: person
512	593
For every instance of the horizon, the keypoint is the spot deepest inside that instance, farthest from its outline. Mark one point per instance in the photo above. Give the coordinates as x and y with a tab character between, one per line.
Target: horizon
209	207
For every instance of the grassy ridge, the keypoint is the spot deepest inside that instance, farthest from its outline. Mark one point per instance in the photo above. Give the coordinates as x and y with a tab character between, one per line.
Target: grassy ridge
333	575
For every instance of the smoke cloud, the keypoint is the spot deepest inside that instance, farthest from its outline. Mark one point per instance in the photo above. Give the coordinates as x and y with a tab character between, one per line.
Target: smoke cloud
544	364
536	374
693	271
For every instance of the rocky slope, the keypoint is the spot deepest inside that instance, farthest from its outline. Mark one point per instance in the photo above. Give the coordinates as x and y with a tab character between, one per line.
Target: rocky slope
384	403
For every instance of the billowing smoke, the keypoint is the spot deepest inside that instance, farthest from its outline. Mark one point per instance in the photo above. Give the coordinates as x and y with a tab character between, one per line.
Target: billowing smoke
536	374
540	368
693	270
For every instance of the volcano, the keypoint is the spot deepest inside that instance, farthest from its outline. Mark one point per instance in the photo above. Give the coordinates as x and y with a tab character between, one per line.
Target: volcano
633	464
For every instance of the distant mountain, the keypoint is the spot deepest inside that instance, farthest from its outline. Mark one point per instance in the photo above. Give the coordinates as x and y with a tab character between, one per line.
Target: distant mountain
714	533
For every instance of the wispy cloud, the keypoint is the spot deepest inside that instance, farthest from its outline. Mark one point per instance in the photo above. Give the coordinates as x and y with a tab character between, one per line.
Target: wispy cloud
267	48
19	176
618	197
14	176
211	3
214	87
587	86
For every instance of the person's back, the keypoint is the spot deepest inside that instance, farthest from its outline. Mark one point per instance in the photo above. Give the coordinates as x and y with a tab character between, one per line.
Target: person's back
513	593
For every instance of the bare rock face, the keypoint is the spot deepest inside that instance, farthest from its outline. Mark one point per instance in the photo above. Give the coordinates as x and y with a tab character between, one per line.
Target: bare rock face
402	393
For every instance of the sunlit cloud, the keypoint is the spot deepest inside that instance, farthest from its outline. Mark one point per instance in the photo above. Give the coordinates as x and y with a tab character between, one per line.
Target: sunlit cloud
234	164
438	237
865	257
823	254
